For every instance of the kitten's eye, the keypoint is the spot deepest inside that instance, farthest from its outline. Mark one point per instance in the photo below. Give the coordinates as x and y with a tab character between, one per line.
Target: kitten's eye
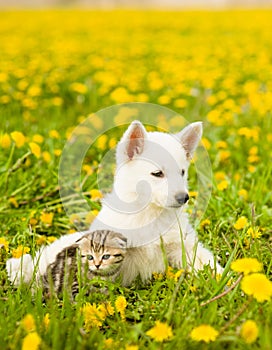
182	172
157	173
89	257
106	256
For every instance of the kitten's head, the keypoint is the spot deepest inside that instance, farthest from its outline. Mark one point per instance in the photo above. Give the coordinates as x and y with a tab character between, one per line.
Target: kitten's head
102	251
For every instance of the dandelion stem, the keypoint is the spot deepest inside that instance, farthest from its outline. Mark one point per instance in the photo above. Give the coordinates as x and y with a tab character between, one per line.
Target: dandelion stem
38	198
235	317
223	293
173	299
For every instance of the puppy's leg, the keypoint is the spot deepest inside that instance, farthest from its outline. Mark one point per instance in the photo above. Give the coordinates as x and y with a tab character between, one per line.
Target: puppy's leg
196	256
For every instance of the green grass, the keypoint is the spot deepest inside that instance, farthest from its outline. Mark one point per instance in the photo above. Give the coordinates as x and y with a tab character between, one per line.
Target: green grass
29	185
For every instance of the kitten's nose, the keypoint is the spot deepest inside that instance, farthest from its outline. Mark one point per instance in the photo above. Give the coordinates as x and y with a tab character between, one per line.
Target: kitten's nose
182	197
97	266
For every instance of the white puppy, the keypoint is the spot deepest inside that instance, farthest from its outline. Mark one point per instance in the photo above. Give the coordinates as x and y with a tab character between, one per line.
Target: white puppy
147	202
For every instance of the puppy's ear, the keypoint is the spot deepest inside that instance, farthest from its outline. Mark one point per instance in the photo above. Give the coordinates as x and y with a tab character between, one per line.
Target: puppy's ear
190	137
133	140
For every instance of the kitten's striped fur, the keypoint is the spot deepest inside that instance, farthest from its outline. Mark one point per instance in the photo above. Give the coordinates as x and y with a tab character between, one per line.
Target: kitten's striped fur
96	254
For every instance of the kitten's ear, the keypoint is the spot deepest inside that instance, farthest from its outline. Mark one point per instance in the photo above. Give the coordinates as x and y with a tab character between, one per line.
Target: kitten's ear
71	250
119	241
190	137
132	142
81	240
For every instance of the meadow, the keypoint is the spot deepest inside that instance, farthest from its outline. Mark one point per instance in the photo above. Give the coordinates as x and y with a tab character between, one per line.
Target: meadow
59	67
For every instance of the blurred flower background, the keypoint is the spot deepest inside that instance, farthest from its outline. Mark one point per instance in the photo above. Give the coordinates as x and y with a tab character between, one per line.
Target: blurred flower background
59	66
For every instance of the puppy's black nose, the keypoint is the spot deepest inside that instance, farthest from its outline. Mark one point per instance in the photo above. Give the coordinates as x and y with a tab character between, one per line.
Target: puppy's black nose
182	198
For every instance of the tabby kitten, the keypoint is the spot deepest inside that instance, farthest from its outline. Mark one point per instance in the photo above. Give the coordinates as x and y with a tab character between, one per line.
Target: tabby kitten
96	254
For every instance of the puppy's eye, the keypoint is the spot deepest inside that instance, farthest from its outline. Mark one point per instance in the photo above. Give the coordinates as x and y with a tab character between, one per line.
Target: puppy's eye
157	173
89	257
182	172
106	256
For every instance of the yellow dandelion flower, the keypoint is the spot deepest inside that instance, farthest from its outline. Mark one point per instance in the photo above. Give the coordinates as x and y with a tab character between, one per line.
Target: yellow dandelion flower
95	194
180	103
254	232
249	331
102	141
31	342
47	218
204	333
13	201
205	222
193	194
51	239
237	176
54	134
224	155
57	101
108	343
38	138
120	305
221	144
33	221
19	138
5	141
142	97
223	185
257	285
112	142
35	149
46	320
34	91
160	332
96	121
241	223
243	193
79	88
4	99
253	150
120	95
246	265
157	276
107	309
87	169
253	158
91	216
214	117
164	99
173	275
93	317
131	347
28	323
57	152
206	143
193	289
46	156
41	240
19	251
251	168
220	176
4	243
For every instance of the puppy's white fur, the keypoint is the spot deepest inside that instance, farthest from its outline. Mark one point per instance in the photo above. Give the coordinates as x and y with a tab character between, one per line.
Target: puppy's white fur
145	207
